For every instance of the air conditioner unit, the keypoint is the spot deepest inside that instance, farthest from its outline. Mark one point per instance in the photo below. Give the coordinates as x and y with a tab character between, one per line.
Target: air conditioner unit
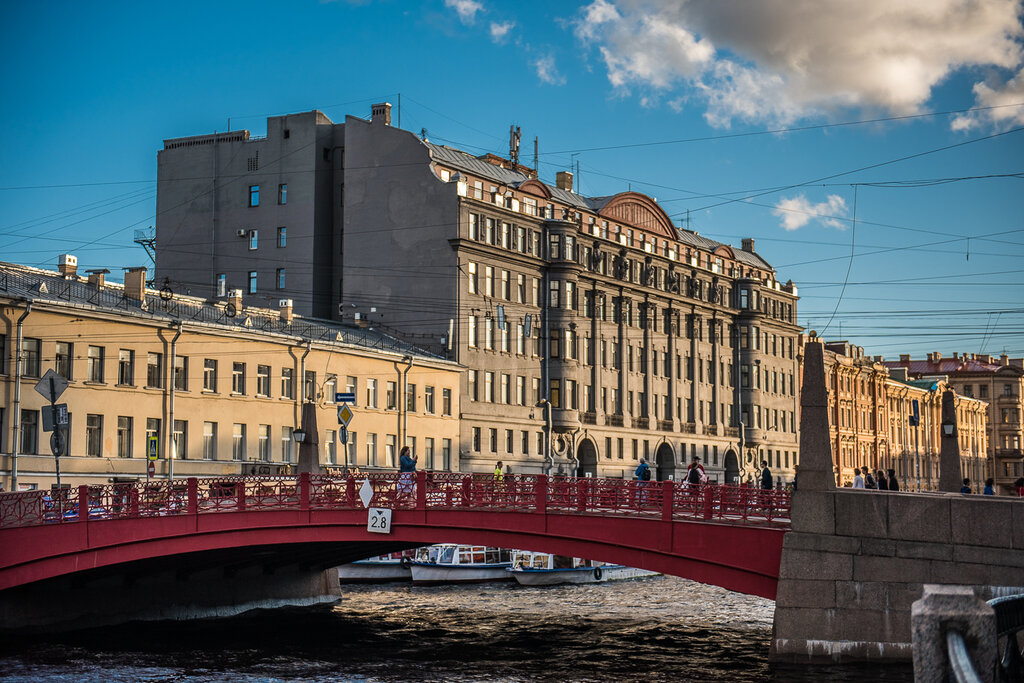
241	233
284	303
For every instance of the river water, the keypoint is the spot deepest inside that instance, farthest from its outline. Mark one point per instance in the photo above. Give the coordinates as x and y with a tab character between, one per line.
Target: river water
655	629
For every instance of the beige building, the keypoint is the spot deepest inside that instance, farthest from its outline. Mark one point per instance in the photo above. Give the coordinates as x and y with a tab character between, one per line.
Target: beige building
229	400
595	332
870	406
997	381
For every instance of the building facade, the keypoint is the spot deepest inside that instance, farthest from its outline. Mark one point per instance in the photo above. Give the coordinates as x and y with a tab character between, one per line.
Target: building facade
220	386
999	383
870	411
594	331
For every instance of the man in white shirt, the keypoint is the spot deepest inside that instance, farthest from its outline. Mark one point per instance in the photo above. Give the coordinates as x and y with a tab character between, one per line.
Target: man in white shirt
858	481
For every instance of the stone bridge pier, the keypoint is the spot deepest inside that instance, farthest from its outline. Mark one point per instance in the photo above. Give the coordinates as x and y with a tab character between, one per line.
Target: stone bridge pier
856	560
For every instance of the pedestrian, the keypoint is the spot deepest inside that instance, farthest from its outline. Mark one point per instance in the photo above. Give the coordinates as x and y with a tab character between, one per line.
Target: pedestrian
643	477
990	487
869	481
858	481
1018	486
498	474
966	488
407	470
894	485
883	483
796	472
695	475
766	476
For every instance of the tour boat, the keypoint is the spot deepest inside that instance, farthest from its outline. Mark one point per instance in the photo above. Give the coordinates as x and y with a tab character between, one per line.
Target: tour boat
377	569
544	569
454	563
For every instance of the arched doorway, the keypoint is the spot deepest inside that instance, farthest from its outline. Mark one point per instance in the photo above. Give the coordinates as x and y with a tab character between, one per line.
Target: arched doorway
665	459
732	468
587	458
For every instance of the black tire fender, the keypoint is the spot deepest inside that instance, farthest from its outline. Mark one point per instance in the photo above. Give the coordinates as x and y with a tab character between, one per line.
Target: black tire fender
597	573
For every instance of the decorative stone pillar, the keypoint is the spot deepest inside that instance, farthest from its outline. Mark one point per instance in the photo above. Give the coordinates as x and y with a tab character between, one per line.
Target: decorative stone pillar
949	447
942	608
309	451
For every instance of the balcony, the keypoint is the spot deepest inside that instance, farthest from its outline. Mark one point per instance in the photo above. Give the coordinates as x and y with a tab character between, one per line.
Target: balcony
710	430
614	420
589	418
734	432
642	423
689	428
665	425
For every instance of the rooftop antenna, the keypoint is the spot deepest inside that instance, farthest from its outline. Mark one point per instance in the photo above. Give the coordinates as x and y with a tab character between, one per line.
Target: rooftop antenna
513	144
423	134
536	155
147	239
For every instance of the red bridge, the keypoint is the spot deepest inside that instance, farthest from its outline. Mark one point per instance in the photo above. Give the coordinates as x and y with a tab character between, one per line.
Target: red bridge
730	536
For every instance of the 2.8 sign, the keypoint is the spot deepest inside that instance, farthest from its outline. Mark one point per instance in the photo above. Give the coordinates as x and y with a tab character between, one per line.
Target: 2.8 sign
379	521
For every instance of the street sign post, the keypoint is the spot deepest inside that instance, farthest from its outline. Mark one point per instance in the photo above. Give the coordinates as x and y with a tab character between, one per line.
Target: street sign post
152	448
345	414
345	397
150	469
55	416
51	386
379	521
343	435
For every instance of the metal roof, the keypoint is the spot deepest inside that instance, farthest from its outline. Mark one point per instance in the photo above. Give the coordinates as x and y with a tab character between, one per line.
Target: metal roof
24	282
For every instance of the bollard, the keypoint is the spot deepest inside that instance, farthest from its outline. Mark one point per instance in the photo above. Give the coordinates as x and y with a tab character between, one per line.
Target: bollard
83	503
944	607
708	492
540	491
421	489
668	489
304	486
193	496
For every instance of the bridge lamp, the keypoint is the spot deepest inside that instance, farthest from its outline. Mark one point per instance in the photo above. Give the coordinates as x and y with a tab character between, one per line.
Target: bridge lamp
948	428
299	435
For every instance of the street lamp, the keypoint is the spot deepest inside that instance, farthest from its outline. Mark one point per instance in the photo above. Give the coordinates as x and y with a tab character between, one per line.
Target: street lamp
299	435
948	428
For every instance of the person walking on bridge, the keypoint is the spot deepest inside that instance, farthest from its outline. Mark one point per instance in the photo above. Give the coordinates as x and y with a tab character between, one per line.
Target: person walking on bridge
643	477
407	471
858	481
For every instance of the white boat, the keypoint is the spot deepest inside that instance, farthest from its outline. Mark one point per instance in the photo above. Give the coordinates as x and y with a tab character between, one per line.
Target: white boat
454	563
544	569
377	569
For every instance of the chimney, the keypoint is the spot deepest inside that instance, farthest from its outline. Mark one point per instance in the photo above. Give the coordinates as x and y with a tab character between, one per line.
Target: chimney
235	299
904	357
135	283
898	373
381	113
68	266
286	310
563	180
1004	359
747	244
97	277
956	356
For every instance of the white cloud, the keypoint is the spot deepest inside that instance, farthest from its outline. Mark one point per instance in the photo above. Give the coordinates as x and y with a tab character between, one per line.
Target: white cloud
466	9
998	95
778	60
547	71
797	212
500	31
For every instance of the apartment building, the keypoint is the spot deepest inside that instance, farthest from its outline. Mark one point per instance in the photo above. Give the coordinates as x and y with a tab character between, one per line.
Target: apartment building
999	383
220	386
595	332
871	426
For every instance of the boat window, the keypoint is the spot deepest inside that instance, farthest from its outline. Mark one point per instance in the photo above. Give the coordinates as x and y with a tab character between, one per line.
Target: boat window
447	556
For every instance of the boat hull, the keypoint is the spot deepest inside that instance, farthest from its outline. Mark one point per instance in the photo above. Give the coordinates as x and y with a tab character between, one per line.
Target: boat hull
577	575
427	574
373	572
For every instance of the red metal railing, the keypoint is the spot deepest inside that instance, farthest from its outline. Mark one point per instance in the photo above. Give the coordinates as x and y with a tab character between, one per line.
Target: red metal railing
425	490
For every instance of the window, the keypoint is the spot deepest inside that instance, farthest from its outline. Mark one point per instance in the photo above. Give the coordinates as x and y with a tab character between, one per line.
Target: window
62	361
371	393
126	367
350	449
179	447
520	288
238	378
330	388
280	278
371	449
287	444
252	281
94	435
428	400
254	195
288	383
222	284
254	240
472	280
428	453
390	396
471	325
124	436
309	385
282	238
95	363
493	433
3	358
282	193
209	375
238	441
210	440
264	443
476	439
390	444
489	386
181	373
155	370
509	441
410	397
446	401
263	380
330	447
489	281
29	431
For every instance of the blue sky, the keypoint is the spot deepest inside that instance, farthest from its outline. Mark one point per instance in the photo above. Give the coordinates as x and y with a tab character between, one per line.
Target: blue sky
681	100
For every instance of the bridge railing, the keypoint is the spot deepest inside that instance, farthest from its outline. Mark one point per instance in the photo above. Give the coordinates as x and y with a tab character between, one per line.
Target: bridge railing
425	490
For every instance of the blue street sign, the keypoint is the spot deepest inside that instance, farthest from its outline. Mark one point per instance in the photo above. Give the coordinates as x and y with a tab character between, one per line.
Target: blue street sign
915	418
345	398
343	435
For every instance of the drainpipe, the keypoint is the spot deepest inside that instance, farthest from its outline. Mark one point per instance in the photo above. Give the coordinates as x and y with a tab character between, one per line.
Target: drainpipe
17	397
403	413
302	374
172	451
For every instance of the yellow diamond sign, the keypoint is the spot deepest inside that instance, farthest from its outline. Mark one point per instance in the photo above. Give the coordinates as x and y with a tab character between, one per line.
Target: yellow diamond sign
345	414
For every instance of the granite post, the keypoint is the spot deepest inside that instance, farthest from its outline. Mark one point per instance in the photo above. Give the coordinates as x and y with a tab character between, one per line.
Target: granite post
309	451
816	466
952	607
949	447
